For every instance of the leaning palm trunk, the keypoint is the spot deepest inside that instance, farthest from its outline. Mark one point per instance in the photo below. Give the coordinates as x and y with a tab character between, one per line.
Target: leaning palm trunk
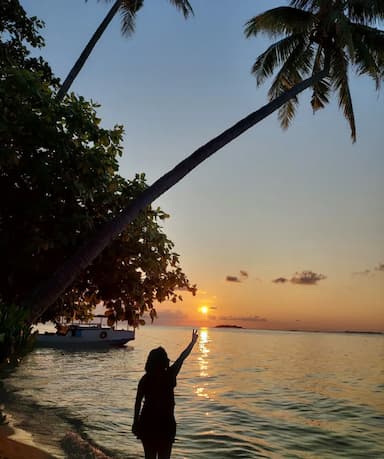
87	50
48	292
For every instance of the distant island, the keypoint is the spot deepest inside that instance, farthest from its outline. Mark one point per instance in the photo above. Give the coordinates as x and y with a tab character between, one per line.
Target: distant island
228	326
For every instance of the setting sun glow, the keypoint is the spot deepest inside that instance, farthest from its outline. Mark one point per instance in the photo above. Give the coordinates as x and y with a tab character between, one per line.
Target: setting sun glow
204	310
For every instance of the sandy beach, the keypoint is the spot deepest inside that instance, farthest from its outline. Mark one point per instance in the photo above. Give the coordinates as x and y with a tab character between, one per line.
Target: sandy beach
16	443
14	446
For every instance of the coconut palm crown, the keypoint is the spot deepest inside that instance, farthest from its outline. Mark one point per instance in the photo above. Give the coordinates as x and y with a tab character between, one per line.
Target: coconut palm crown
318	34
129	9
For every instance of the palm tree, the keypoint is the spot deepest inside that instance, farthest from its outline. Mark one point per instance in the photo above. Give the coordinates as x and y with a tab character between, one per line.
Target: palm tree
129	9
336	33
323	37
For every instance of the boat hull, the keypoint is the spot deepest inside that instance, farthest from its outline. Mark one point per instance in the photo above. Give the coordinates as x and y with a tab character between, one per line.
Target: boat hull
86	336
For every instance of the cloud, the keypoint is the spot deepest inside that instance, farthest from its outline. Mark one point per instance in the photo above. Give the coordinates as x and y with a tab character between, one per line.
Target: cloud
366	272
232	279
280	280
370	272
302	278
380	267
251	318
243	276
307	278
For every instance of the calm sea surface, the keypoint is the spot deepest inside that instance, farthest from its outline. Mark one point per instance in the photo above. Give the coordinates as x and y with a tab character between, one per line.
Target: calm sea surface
240	394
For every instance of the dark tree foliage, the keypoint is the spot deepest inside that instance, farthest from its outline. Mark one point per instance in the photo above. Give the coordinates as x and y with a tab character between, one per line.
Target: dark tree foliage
59	182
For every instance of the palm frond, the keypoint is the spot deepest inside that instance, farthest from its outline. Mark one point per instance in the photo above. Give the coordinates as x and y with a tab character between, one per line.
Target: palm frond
291	73
372	37
184	6
309	5
339	66
343	35
318	62
322	88
287	112
294	69
365	11
320	95
279	21
128	9
369	55
273	57
366	64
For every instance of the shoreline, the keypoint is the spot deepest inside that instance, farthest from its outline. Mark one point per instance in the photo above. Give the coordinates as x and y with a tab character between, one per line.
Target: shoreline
18	444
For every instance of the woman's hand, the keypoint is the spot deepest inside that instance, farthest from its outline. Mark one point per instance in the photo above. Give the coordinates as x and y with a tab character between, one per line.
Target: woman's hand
135	429
195	335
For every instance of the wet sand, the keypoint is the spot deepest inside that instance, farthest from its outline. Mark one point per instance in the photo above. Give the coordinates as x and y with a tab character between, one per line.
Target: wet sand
18	443
13	446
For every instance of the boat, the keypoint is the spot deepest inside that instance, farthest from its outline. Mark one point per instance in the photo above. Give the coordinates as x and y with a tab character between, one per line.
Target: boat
85	334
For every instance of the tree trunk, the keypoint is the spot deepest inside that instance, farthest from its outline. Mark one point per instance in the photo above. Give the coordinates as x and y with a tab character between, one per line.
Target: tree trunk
49	291
87	51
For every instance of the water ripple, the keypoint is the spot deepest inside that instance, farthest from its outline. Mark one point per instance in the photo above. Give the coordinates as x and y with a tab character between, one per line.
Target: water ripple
242	394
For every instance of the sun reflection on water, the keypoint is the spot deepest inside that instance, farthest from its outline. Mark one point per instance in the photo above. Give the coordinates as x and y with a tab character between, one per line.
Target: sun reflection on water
204	338
203	361
243	393
204	351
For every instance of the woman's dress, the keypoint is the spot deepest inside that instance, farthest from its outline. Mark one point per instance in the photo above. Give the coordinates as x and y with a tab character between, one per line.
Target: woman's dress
157	420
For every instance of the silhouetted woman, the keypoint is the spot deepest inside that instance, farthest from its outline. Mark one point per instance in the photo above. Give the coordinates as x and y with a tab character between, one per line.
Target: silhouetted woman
155	423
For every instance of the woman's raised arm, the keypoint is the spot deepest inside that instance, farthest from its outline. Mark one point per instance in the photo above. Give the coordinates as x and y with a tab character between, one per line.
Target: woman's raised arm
179	362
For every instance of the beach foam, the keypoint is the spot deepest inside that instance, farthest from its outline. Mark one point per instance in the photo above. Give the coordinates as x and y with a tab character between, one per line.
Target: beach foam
77	448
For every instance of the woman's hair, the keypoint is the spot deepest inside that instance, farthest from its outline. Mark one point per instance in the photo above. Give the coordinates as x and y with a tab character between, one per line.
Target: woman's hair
157	360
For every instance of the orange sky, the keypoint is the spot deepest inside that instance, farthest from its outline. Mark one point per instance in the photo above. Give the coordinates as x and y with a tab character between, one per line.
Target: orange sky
354	304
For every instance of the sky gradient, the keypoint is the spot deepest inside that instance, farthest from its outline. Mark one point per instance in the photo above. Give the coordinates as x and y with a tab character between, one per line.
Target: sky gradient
269	206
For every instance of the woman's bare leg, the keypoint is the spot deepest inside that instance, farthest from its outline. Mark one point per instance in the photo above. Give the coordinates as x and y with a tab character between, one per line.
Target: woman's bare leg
165	451
149	451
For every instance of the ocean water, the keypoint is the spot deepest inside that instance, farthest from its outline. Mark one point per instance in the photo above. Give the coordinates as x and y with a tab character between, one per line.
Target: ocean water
240	394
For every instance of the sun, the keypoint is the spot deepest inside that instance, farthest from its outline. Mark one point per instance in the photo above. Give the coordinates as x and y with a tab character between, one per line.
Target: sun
204	310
